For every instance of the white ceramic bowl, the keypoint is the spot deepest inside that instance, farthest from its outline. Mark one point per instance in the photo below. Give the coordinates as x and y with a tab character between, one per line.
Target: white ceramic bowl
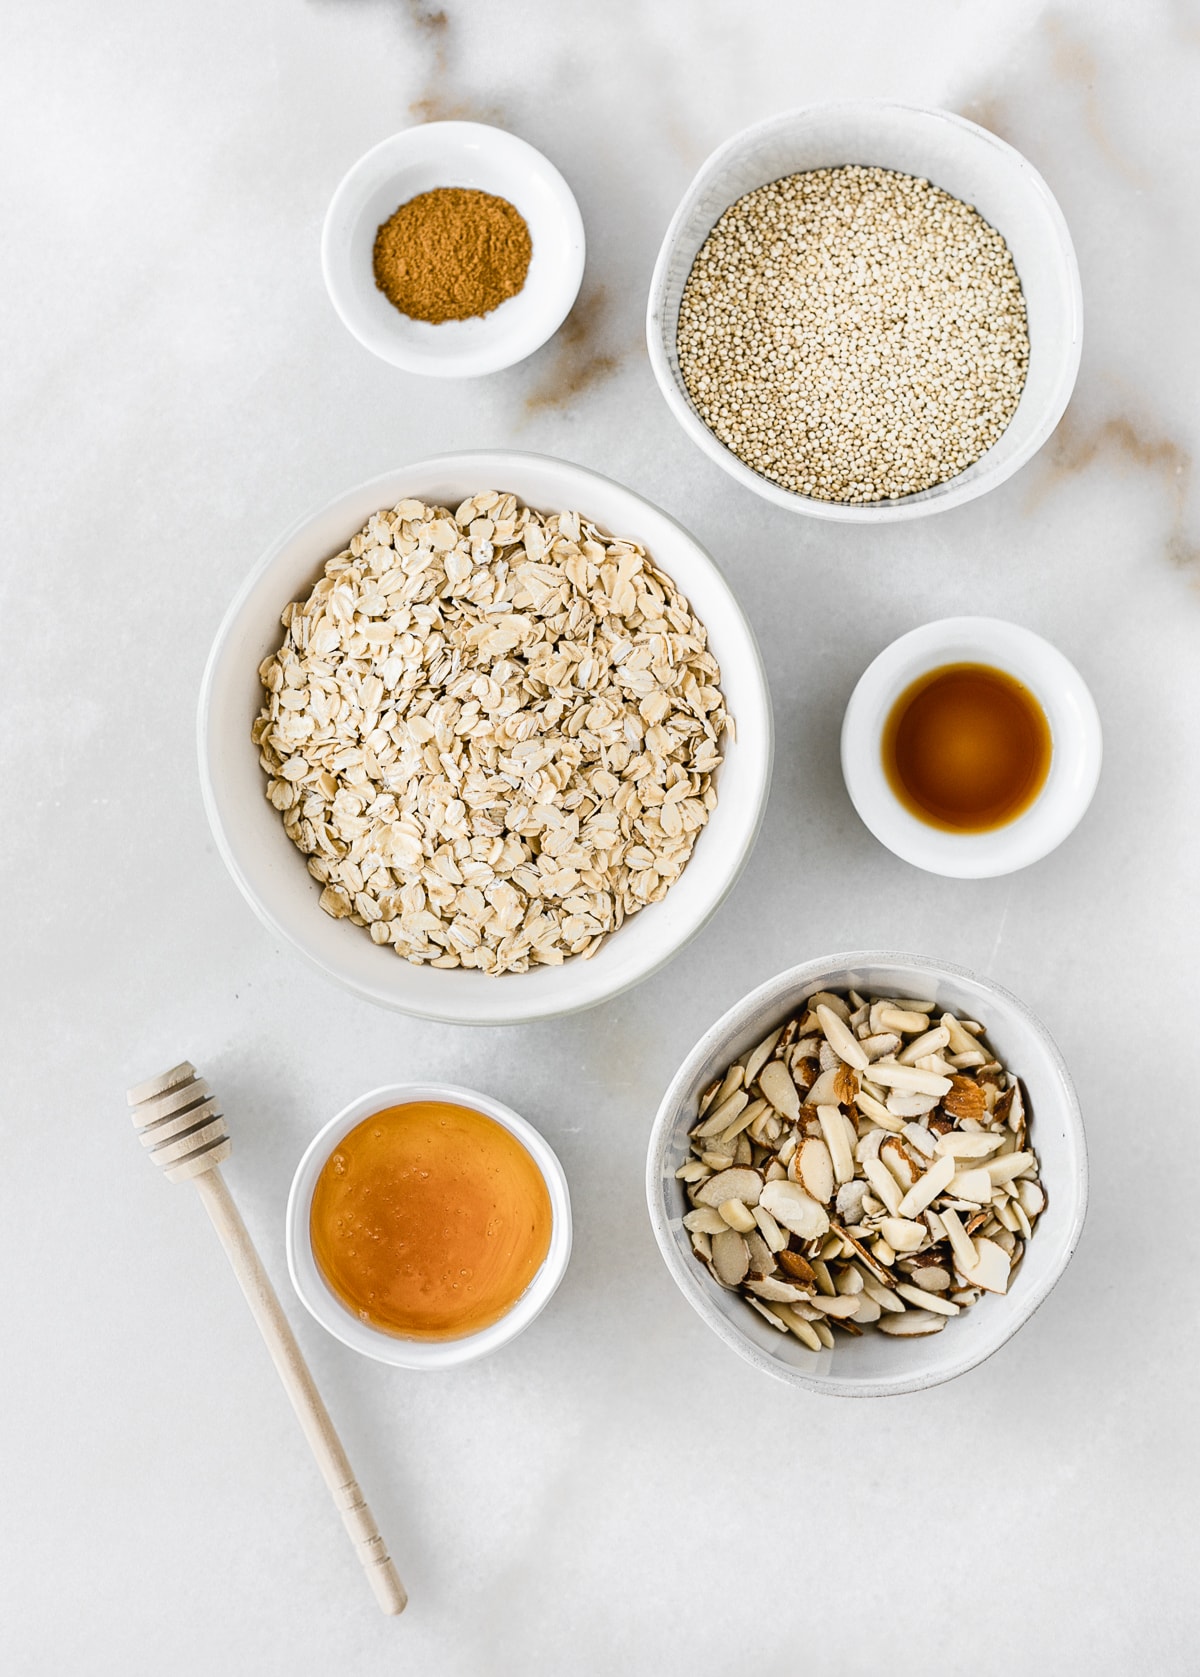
271	872
964	160
453	154
329	1310
874	1365
1076	745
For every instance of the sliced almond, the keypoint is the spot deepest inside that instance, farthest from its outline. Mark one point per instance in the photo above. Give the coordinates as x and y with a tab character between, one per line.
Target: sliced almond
962	1042
775	1081
749	1113
903	1105
866	1258
975	1185
849	1202
708	1096
774	1236
773	1287
932	1278
702	1246
1010	1165
965	1098
705	1220
877	1112
931	1042
903	1236
793	1209
805	1071
884	1297
833	1128
812	1168
914	1324
884	1043
767	1314
739	1183
966	1144
1032	1197
884	1184
867	1146
842	1304
798	1268
797	1325
926	1301
895	1155
886	1016
991	1268
834	1003
762	1259
757	1058
921	1140
926	1189
841	1039
738	1215
730	1257
801	1329
869	1310
910	1080
824	1089
692	1170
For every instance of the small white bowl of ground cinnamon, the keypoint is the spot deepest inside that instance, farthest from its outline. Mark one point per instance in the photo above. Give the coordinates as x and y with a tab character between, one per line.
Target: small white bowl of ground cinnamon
453	249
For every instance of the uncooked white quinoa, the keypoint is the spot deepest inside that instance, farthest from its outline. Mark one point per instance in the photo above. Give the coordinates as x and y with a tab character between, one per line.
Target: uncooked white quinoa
854	334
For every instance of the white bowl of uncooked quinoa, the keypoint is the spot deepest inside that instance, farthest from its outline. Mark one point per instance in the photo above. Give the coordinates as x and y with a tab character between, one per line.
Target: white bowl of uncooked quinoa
867	311
487	738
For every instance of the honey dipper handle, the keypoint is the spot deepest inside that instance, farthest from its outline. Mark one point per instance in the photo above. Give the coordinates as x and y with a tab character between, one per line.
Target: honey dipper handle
289	1363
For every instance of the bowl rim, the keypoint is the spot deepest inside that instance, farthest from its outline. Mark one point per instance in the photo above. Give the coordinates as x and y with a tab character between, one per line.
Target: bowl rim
1070	709
688	1278
322	1303
761	747
877	512
504	351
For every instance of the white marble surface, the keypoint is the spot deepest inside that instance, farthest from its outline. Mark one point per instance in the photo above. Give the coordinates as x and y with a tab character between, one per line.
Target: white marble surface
615	1491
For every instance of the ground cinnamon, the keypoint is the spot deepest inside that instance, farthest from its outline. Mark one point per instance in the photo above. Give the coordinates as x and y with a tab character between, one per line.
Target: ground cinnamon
452	253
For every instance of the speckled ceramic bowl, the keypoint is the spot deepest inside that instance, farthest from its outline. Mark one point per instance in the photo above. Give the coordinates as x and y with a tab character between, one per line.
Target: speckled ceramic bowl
271	872
470	154
874	1365
963	159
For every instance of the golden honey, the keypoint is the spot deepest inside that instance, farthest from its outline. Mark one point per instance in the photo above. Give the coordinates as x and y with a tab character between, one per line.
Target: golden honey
430	1220
967	748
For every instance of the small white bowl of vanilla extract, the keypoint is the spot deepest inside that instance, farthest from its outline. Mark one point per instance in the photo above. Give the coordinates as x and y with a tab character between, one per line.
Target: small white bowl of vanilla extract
427	1225
971	747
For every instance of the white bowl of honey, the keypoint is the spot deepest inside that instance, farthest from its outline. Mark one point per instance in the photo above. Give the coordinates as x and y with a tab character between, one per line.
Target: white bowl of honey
971	747
427	1225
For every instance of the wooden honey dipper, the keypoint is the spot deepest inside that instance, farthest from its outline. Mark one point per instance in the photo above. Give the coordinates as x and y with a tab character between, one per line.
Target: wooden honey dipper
181	1123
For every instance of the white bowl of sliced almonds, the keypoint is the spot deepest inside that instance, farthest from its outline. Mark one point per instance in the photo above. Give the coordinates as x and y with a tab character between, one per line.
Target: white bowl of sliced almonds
487	738
869	1173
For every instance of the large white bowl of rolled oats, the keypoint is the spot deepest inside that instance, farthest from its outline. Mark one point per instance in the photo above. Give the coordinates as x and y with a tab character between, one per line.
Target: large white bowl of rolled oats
866	311
869	1173
487	738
